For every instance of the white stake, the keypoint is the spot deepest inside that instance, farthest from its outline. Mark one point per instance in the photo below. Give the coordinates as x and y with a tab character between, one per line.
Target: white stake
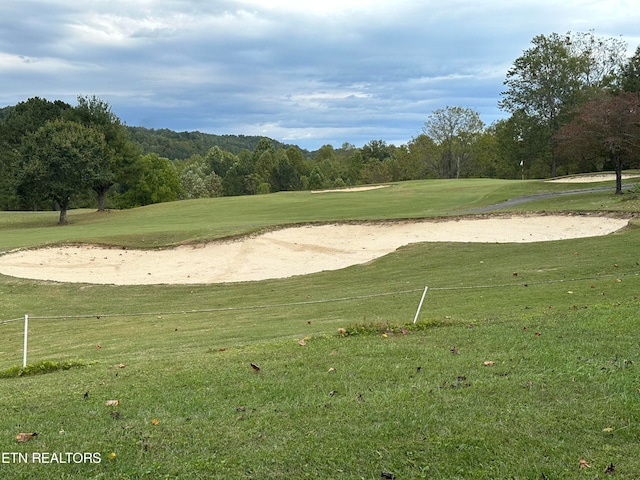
415	319
26	327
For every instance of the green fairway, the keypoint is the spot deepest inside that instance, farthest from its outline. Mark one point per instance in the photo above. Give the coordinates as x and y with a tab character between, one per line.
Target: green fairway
523	362
206	219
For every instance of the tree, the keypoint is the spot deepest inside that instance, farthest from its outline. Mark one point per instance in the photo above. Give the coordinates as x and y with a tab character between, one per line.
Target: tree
376	150
424	152
158	181
630	75
522	145
601	58
219	161
607	126
454	130
59	161
19	121
558	72
121	155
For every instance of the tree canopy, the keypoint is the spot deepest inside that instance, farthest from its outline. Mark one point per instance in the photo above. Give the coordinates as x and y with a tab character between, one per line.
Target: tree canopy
60	160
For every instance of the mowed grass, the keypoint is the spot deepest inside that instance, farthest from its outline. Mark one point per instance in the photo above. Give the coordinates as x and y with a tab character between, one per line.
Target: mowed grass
557	322
188	221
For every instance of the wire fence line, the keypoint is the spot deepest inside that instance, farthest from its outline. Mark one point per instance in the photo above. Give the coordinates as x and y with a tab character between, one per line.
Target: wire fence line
321	301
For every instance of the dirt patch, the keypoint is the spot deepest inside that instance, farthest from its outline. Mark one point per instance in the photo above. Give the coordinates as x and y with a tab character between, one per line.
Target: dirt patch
288	251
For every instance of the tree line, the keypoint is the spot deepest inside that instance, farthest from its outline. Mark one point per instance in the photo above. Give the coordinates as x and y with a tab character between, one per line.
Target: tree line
573	100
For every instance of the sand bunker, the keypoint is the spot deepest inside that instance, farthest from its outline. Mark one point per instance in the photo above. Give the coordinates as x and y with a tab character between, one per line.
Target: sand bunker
350	189
596	177
286	252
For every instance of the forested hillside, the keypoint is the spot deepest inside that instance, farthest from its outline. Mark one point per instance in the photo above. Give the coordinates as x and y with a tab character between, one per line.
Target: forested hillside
180	145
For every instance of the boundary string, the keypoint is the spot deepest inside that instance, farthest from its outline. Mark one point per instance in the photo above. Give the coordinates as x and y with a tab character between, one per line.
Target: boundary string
312	302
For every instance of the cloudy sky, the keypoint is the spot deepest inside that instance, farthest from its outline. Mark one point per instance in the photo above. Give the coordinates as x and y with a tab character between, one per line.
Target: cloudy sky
302	72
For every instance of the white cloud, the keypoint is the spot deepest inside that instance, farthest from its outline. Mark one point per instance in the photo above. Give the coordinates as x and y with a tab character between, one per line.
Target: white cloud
320	72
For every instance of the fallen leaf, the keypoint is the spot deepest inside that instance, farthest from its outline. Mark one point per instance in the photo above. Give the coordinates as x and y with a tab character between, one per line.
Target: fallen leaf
388	475
98	346
112	403
489	363
115	415
302	342
255	367
121	365
112	455
618	280
607	430
342	331
584	464
25	437
154	421
332	370
454	350
538	334
384	335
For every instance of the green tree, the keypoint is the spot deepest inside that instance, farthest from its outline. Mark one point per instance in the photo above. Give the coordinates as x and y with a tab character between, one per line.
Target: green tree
197	178
19	121
424	152
158	181
233	183
121	154
454	130
522	145
557	73
219	161
60	160
630	75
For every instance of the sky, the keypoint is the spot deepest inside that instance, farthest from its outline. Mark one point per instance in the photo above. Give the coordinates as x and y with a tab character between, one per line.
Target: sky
304	73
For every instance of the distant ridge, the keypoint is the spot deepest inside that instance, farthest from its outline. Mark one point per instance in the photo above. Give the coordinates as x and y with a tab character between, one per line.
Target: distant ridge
180	145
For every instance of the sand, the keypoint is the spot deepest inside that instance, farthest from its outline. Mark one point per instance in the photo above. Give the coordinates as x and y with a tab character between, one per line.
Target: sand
286	252
596	177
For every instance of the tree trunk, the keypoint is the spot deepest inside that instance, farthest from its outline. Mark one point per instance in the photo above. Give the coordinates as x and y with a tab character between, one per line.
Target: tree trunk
64	204
618	166
63	217
102	196
102	201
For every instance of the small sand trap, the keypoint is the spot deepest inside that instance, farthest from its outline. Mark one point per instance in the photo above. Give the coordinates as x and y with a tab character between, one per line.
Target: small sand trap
286	252
596	177
351	189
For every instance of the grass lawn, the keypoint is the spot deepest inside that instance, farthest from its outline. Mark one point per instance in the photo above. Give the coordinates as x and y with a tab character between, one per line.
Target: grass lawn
504	376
